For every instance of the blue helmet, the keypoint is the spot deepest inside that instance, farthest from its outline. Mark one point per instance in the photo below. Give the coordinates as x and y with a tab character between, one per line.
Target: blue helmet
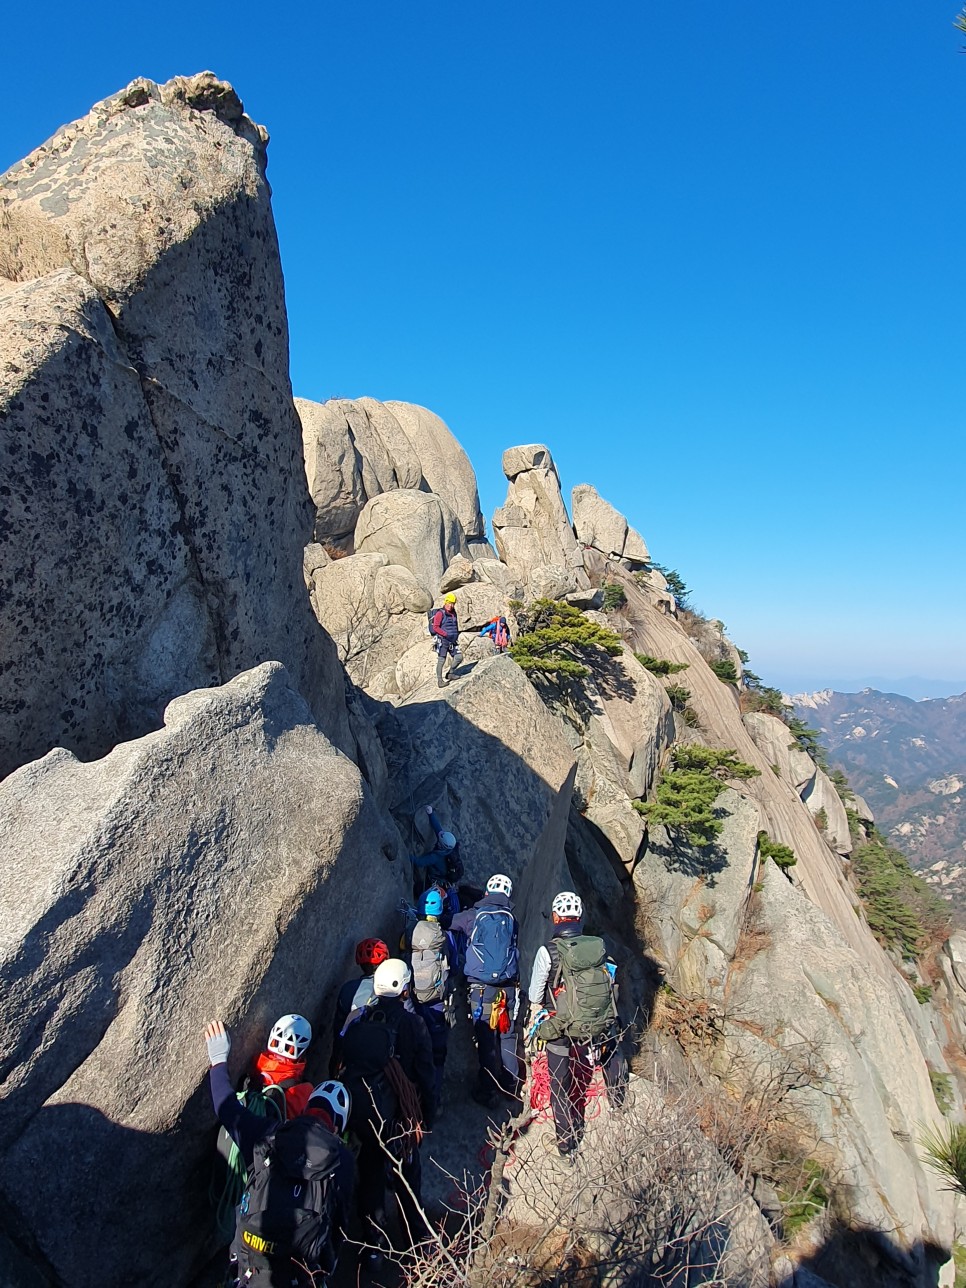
430	903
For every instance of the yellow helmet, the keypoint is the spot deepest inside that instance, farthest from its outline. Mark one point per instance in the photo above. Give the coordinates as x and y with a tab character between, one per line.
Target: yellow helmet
449	599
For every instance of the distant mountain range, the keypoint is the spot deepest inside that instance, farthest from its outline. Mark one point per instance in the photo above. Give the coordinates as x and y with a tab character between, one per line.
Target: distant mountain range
908	760
910	686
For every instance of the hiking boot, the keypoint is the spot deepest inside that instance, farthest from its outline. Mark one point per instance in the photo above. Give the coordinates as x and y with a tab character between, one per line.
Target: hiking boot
442	683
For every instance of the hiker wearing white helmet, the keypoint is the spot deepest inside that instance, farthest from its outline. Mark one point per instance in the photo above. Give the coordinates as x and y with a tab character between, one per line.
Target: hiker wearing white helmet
387	1066
274	1086
492	971
280	1237
441	864
573	1009
282	1063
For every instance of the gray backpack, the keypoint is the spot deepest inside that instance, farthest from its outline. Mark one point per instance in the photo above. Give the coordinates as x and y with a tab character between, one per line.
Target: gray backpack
430	967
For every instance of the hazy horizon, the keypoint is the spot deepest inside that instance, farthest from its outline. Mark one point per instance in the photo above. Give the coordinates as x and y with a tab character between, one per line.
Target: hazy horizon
916	687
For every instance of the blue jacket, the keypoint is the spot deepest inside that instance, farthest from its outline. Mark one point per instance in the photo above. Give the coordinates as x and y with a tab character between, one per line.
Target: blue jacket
435	860
463	921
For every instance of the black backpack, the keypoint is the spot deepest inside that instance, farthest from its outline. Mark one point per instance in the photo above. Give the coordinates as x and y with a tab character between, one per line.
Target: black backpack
367	1048
285	1214
454	866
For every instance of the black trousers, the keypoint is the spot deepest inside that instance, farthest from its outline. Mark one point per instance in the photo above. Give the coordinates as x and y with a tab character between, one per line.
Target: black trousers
571	1067
375	1173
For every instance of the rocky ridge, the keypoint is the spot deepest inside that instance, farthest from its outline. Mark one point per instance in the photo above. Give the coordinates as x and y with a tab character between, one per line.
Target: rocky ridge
252	767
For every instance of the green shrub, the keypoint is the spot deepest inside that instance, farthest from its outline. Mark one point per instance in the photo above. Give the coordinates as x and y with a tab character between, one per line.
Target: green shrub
675	584
758	696
903	912
659	665
724	669
776	770
841	785
942	1089
614	596
922	993
855	824
557	639
946	1154
820	818
685	797
806	1201
807	739
783	855
959	1261
679	696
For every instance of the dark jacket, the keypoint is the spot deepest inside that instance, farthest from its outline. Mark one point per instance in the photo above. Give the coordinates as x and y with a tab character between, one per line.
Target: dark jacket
343	1008
413	1050
247	1129
445	625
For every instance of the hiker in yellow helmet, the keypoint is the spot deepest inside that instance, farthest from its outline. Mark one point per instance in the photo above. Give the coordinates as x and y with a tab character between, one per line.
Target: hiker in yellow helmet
445	630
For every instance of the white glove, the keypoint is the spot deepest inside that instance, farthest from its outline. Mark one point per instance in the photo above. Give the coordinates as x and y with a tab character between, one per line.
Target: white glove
218	1043
429	809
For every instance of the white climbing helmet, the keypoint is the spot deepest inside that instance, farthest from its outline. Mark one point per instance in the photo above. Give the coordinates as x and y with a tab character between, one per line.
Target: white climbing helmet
391	978
567	904
446	841
290	1036
338	1100
499	884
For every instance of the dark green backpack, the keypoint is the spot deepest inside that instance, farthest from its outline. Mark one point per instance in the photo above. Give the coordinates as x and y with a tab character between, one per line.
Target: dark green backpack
586	1008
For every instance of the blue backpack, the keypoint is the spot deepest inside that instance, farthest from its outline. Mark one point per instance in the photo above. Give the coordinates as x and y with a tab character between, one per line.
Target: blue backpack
492	956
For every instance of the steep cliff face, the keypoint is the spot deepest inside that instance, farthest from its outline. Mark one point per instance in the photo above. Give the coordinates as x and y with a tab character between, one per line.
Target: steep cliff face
226	859
155	511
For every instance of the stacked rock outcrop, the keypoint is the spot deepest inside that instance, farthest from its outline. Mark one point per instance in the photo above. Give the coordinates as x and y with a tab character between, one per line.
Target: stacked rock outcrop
532	529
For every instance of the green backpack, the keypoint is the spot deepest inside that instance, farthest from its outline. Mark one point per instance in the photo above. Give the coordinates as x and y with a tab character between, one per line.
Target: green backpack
586	1008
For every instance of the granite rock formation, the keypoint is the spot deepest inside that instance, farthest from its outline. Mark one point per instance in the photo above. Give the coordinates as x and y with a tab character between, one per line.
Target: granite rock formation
156	514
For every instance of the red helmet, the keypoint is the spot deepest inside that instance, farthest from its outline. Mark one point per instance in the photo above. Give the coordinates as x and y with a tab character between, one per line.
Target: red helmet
371	952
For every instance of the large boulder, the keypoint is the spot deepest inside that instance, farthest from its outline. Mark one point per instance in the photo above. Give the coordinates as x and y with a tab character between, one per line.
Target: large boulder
599	526
372	609
532	528
696	901
354	450
415	529
212	868
155	510
627	726
446	467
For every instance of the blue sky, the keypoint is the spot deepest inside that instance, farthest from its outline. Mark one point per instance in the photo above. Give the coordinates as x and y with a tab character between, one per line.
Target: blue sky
711	255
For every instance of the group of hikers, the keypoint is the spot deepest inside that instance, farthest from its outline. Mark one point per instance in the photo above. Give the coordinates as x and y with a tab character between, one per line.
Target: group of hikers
297	1161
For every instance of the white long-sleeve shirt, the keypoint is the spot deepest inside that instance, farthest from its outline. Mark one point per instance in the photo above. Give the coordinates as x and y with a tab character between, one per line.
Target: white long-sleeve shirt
539	976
